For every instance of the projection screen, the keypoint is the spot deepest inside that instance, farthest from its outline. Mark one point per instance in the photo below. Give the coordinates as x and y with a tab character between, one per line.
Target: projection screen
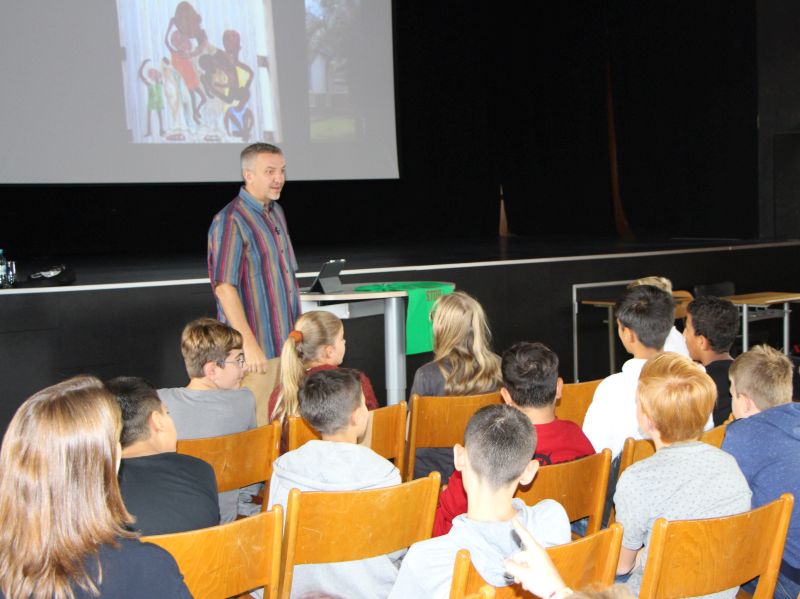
144	91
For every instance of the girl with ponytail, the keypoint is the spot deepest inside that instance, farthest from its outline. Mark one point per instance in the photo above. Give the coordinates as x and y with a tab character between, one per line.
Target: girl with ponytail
316	343
463	364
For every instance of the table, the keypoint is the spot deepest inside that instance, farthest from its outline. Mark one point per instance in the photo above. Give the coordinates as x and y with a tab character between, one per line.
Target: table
357	304
761	303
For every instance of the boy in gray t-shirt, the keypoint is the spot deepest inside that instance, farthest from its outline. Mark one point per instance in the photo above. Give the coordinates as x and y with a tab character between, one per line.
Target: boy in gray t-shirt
685	479
212	404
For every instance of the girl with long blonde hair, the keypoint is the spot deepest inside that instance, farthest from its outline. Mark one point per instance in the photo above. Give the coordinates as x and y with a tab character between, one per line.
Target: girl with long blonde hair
316	343
63	524
463	364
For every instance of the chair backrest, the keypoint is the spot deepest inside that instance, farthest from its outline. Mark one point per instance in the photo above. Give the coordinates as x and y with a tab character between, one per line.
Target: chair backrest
575	400
239	459
325	527
681	299
229	559
441	421
633	451
388	433
591	560
580	486
715	436
687	558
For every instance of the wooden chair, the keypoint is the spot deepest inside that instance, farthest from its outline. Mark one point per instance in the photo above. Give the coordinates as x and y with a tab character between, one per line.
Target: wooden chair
441	421
388	433
587	561
575	400
239	459
633	451
715	436
687	558
580	486
350	525
681	299
230	559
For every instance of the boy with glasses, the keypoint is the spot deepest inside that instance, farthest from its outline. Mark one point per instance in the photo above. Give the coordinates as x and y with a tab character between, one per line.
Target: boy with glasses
213	403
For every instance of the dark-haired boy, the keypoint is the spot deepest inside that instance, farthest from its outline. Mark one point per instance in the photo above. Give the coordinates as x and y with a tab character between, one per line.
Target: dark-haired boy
495	459
765	441
333	403
645	315
167	492
532	385
711	327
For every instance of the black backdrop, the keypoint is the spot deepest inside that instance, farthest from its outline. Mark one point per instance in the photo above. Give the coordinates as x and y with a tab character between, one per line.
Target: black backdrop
488	94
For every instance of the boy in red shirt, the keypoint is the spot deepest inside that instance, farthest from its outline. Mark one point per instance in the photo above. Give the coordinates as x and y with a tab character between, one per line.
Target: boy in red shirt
532	385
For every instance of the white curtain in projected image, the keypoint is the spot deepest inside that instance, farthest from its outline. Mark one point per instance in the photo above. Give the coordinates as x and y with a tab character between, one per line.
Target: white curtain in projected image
199	72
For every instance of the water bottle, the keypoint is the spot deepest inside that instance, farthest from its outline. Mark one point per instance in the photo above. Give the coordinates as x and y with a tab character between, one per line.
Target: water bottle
3	271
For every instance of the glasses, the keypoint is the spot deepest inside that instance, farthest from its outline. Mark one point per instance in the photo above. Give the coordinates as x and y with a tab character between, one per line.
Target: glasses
240	362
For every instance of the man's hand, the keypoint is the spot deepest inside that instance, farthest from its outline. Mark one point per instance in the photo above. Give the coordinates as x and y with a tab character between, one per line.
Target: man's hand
254	356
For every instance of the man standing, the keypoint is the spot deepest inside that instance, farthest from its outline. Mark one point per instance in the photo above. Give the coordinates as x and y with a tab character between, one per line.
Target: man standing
252	268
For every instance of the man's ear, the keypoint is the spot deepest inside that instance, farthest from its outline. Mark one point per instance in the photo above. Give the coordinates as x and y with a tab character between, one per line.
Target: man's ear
703	342
559	388
459	457
530	471
507	397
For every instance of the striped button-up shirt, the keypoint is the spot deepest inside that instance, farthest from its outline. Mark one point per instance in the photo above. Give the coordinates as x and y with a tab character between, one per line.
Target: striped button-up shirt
249	247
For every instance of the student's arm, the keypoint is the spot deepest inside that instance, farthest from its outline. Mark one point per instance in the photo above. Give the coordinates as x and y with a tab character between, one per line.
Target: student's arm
627	560
231	304
369	393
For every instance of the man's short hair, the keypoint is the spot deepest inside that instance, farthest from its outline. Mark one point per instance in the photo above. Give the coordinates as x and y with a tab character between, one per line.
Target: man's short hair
500	441
763	374
716	319
207	340
647	311
253	150
677	395
137	399
530	373
328	399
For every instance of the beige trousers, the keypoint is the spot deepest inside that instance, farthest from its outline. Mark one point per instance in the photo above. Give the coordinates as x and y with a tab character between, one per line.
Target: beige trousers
262	386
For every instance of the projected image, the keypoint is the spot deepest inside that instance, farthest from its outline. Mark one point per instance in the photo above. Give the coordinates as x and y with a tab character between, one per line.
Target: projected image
334	62
199	72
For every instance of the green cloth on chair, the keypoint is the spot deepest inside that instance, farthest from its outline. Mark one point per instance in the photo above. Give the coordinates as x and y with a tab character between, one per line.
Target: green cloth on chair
421	297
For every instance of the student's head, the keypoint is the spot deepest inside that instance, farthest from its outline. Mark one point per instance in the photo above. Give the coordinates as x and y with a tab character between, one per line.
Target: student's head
213	351
711	326
317	339
263	171
675	397
498	448
59	496
530	375
332	401
646	313
144	416
462	345
761	378
662	283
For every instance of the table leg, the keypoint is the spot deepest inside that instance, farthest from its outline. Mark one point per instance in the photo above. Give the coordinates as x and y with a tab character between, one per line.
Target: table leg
612	346
745	330
394	329
786	328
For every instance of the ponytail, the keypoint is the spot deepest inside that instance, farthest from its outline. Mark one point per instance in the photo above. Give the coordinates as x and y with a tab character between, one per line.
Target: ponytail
312	331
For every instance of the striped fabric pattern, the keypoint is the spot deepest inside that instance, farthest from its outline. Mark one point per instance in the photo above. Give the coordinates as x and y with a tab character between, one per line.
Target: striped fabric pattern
250	248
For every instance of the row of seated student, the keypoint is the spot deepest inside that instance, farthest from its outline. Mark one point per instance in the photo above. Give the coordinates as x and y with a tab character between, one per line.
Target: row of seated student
759	391
685	479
